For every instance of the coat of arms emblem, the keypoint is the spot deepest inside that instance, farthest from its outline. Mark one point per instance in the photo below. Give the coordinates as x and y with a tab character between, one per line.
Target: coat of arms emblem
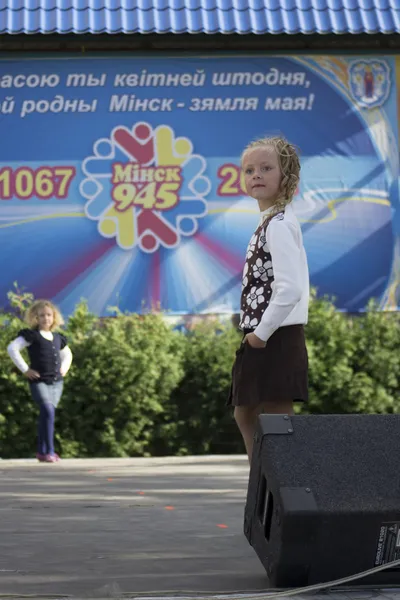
369	82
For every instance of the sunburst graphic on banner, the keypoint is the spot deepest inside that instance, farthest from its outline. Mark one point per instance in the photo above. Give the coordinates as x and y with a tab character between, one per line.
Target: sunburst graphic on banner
145	187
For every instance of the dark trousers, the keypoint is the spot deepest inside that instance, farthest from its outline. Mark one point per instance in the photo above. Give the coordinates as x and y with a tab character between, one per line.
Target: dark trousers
47	397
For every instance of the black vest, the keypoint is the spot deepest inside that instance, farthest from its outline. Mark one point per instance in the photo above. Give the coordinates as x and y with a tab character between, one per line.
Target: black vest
44	355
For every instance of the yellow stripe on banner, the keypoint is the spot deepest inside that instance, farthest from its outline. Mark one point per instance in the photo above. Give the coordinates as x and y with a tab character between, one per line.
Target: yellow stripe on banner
248	211
42	218
330	205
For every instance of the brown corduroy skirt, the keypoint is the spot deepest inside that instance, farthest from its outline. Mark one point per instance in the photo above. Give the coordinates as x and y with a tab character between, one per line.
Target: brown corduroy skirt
278	372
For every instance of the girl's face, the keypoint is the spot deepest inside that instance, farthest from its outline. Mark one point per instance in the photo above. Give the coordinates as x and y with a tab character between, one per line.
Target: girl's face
262	175
45	318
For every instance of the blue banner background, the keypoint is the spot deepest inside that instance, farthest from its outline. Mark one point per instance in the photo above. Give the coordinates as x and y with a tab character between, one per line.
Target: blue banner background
68	248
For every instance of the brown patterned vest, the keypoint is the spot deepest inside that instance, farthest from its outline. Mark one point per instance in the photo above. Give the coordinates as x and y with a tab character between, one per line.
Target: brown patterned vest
258	277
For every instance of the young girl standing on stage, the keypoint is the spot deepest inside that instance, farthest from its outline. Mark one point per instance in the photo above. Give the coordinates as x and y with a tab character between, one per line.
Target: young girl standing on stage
50	360
271	367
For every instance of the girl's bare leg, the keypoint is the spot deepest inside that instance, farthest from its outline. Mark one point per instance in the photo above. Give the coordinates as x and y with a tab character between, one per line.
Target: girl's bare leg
246	419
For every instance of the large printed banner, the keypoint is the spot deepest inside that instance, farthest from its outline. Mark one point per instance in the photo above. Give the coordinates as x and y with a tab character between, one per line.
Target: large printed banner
120	180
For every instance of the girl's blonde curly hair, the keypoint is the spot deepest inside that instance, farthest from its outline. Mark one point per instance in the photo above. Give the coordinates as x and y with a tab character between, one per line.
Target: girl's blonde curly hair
31	315
289	164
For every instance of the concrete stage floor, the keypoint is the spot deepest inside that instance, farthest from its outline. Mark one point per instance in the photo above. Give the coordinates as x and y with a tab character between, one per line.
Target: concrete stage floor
123	528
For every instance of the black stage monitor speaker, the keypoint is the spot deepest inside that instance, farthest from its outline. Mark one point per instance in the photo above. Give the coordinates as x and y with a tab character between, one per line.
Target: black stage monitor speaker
323	499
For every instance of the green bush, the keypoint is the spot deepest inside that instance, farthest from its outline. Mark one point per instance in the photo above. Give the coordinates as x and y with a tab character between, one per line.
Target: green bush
123	372
354	361
138	388
17	412
377	362
195	419
331	348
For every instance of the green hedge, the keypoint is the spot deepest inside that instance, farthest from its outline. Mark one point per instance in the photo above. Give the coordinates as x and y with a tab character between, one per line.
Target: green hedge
138	388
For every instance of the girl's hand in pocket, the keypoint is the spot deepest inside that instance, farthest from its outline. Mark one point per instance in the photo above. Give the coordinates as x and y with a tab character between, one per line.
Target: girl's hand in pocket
255	341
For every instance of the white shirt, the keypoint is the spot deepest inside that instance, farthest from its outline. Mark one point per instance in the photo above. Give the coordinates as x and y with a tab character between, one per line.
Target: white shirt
291	288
